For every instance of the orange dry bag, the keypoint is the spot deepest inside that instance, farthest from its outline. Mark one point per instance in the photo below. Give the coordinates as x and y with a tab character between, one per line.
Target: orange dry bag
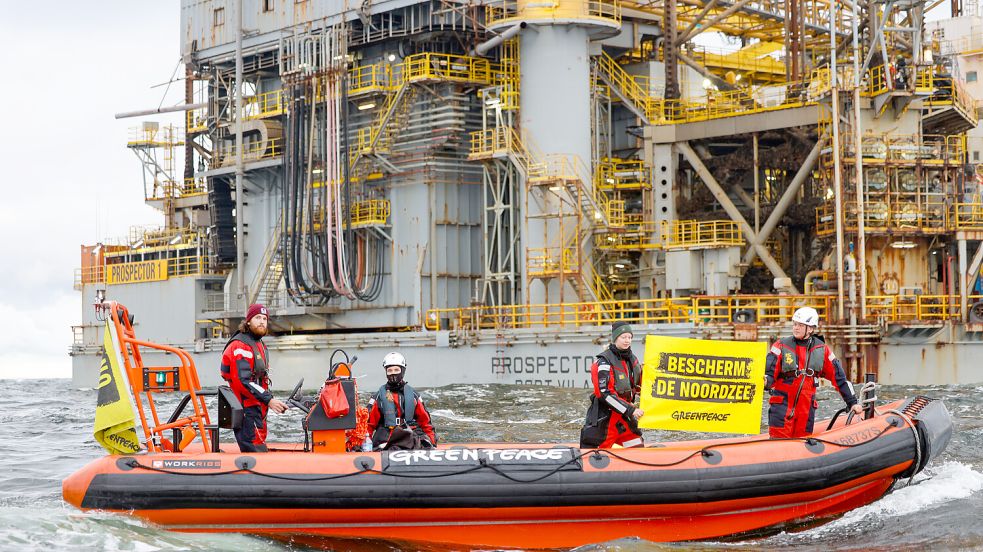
333	399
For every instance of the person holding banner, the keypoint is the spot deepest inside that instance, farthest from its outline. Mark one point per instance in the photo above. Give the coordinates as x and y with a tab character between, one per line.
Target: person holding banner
245	365
617	377
792	371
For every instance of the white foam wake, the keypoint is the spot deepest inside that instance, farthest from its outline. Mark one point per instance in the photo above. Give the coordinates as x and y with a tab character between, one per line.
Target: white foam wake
934	486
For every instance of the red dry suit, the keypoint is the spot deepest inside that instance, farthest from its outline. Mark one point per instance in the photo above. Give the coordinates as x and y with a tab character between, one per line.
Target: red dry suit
403	406
245	365
617	379
792	370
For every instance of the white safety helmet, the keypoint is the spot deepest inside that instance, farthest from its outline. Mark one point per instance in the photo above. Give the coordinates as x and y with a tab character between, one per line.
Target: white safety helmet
394	359
807	316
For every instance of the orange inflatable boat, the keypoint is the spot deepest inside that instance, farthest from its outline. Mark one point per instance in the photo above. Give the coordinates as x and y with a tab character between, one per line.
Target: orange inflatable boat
504	495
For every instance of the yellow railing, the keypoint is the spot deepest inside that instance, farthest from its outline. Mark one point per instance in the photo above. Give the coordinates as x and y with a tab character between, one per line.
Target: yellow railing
912	308
949	91
622	174
492	141
196	120
89	275
255	151
363	138
931	149
550	261
626	83
446	67
193	187
372	212
601	289
369	78
731	103
176	266
151	238
506	75
625	242
638	234
925	81
971	44
698	310
693	234
553	167
968	216
388	77
187	266
614	211
754	60
267	104
606	10
156	137
889	211
876	81
169	189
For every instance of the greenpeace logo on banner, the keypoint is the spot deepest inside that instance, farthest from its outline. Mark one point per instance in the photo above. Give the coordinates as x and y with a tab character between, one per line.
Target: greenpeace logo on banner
546	459
702	385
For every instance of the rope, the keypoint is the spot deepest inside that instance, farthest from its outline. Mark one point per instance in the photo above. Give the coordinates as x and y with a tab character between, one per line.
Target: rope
918	443
705	452
871	387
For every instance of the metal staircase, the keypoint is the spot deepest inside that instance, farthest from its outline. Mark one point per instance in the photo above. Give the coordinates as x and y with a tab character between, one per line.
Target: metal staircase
267	278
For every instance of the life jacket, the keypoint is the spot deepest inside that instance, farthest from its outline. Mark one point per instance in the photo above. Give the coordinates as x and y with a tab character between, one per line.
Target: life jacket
791	379
789	363
626	379
260	367
388	408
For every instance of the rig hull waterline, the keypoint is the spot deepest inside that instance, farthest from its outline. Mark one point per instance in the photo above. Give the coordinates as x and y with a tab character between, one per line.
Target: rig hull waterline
528	496
491	185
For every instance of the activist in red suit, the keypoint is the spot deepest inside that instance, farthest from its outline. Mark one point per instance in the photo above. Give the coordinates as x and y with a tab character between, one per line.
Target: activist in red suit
612	417
245	365
792	371
397	405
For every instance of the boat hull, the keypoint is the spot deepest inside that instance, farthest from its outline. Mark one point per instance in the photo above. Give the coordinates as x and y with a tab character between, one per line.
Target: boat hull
530	496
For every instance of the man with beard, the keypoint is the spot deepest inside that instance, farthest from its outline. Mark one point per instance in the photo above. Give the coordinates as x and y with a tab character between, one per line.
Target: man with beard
617	377
245	365
397	405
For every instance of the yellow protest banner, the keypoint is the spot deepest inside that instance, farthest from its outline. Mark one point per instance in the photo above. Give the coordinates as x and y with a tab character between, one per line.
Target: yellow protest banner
115	423
703	385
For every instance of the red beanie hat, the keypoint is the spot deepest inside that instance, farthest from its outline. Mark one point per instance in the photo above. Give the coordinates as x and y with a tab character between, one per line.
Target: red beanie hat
254	310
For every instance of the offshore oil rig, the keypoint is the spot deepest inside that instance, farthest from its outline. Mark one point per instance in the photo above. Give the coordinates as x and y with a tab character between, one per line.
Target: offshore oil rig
486	186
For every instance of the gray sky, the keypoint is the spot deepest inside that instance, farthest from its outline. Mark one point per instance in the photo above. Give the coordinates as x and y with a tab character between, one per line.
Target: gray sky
67	177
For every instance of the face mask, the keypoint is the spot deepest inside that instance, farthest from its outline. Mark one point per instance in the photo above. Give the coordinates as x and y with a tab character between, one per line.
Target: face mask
395	380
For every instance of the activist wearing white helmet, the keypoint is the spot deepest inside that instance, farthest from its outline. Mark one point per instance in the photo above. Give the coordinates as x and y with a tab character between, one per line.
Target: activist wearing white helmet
395	366
807	316
394	359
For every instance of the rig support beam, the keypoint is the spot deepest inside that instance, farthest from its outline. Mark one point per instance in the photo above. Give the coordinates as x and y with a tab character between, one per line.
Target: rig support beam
722	197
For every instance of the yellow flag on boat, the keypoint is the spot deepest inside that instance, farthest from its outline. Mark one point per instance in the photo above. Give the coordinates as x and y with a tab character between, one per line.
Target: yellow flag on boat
703	385
115	425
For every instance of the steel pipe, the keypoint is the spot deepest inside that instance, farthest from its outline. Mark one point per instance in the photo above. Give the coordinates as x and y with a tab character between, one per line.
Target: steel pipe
486	46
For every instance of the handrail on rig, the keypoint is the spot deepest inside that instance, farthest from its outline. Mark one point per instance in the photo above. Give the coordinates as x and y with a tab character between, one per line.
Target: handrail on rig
149	380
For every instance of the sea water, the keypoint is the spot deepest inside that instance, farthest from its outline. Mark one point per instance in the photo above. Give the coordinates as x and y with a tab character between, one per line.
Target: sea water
46	434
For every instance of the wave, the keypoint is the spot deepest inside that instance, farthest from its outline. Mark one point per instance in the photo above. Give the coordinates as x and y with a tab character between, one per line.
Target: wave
935	486
450	415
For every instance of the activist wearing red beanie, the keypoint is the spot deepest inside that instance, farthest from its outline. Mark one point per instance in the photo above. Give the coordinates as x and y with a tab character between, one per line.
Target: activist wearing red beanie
254	310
